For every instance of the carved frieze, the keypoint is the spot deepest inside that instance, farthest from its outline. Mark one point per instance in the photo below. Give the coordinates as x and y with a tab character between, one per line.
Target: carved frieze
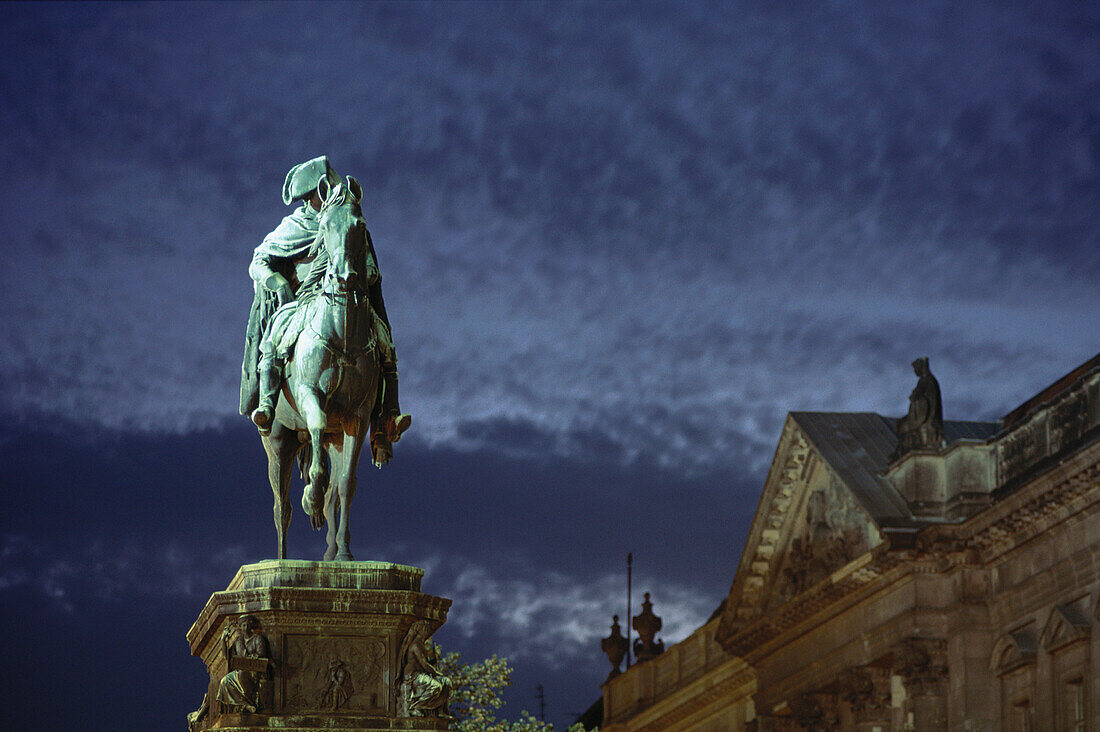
1022	447
922	665
866	691
815	712
325	649
1068	420
1049	430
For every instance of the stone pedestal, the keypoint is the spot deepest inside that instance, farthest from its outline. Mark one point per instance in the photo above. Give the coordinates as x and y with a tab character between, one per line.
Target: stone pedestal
334	634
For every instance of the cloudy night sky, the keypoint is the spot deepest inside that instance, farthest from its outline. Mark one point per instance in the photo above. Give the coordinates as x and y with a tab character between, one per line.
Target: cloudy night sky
620	241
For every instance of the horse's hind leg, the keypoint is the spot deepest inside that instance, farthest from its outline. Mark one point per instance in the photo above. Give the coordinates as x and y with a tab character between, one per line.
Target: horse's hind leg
280	447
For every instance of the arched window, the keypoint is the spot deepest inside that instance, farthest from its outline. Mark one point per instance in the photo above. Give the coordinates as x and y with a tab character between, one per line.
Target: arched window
1013	662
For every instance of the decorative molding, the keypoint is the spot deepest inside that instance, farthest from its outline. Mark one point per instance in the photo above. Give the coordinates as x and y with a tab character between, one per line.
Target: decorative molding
343	607
1049	428
758	562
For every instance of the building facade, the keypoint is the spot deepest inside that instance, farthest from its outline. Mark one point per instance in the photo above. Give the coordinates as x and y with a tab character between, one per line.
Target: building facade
953	588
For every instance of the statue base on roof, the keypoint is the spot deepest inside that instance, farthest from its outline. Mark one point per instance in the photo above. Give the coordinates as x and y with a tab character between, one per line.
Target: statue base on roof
302	646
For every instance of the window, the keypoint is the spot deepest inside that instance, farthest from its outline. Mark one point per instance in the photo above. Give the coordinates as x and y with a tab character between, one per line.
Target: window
1076	703
1021	717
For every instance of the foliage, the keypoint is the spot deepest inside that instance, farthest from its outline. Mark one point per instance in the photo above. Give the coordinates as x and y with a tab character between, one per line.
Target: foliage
475	697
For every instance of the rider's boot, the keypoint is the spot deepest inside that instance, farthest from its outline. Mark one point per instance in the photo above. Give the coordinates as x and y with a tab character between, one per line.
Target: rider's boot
271	378
394	423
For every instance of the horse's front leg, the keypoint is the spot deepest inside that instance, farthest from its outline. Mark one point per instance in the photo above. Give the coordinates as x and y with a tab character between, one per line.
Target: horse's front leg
309	406
331	513
335	444
280	446
344	459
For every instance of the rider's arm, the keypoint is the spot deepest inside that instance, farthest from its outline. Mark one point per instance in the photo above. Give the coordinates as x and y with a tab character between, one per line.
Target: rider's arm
263	271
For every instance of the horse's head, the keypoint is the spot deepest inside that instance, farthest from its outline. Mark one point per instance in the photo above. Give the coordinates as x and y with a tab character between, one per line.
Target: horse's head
351	267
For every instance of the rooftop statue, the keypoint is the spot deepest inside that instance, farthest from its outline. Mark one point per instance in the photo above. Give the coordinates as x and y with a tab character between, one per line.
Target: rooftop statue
922	427
320	370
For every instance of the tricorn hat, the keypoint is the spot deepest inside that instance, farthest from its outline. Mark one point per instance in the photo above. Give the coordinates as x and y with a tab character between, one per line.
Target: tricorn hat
303	178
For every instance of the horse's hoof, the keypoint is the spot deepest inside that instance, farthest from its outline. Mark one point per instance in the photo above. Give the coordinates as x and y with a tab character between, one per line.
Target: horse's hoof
311	502
330	554
345	557
263	418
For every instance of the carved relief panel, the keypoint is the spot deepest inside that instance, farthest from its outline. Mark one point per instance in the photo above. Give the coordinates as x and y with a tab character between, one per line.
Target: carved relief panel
831	532
342	674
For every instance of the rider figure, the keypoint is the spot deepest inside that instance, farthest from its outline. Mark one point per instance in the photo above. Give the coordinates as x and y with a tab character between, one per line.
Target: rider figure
286	269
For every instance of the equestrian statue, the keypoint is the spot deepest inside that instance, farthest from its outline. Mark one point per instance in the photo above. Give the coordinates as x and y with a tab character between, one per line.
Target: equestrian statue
319	377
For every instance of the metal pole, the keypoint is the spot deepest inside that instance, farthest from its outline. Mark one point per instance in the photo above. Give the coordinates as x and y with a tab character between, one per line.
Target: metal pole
542	703
629	624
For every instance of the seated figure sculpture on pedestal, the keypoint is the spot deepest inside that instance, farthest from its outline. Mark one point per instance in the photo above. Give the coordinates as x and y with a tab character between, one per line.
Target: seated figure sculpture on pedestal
424	689
248	657
922	427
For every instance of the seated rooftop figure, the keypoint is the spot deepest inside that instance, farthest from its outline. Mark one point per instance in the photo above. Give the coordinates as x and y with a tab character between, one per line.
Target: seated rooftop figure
922	427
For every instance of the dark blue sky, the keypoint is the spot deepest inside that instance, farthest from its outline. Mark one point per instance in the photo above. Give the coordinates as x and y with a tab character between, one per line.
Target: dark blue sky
619	241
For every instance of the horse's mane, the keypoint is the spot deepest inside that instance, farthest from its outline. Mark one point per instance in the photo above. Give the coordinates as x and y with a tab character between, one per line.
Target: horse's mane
341	196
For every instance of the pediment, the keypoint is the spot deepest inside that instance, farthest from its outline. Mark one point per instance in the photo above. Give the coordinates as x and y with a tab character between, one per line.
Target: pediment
1015	650
1067	624
808	525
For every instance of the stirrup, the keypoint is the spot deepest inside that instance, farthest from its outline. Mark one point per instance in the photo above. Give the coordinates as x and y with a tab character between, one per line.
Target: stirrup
397	425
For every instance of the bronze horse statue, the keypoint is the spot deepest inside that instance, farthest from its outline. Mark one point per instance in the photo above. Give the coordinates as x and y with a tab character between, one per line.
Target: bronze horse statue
332	380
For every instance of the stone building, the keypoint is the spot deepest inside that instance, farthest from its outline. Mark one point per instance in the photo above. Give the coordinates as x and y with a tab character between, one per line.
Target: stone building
949	588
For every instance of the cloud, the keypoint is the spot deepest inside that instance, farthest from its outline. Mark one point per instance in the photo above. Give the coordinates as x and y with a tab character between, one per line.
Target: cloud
104	570
547	616
625	233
